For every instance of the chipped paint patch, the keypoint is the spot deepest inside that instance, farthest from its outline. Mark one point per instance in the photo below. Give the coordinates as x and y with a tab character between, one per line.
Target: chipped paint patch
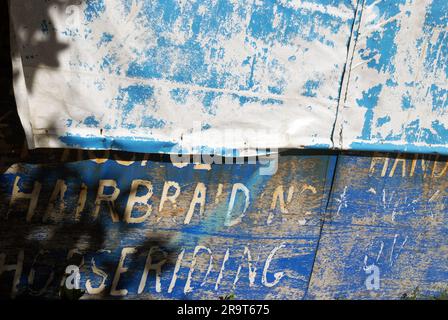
398	79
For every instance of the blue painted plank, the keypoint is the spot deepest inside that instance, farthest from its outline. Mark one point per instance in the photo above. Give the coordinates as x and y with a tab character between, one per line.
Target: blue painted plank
385	232
260	249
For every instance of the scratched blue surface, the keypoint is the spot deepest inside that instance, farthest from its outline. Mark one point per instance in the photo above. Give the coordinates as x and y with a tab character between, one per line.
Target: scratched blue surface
388	212
262	229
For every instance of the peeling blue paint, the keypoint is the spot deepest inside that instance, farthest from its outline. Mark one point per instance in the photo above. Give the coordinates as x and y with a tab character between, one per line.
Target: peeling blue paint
167	64
369	101
409	65
105	38
310	87
93	9
134	95
382	121
91	122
